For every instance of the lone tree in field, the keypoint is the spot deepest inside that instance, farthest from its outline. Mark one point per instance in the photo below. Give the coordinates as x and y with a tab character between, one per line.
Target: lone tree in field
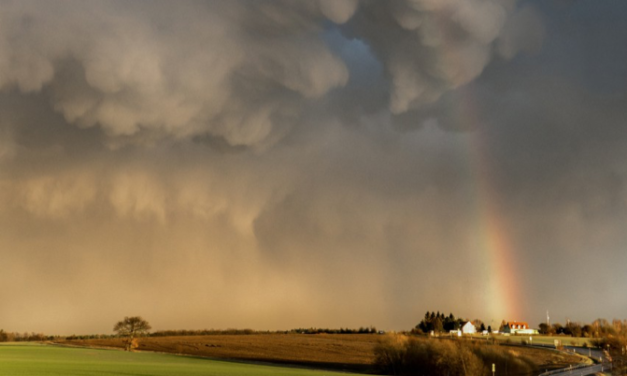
131	327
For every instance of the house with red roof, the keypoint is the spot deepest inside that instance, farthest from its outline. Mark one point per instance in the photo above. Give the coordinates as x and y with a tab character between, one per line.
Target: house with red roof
517	327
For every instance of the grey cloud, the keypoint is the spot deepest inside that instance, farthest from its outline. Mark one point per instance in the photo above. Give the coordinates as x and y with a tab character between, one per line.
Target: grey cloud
7	145
180	69
338	11
523	32
429	48
241	71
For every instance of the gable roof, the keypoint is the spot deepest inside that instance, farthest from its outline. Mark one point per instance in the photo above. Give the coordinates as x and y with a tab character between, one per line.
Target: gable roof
518	324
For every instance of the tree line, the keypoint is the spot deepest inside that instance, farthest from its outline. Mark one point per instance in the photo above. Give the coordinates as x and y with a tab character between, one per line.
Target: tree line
202	332
209	332
597	328
20	337
438	322
361	330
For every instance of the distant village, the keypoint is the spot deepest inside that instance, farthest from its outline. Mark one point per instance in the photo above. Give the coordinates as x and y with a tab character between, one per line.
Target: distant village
512	327
437	323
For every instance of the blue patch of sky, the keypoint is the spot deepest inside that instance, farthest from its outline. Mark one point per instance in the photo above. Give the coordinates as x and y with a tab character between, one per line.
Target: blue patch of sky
365	69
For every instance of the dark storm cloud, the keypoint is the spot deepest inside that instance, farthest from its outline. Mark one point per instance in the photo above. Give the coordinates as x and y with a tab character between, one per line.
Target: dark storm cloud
238	71
276	164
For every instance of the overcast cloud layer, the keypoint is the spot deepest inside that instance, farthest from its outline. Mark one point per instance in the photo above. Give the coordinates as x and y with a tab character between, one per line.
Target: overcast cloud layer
278	164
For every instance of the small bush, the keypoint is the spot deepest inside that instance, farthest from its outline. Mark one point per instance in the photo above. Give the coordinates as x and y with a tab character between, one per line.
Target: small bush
390	354
504	359
401	355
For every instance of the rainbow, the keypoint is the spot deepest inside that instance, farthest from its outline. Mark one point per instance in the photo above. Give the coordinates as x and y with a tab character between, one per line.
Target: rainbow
493	243
502	297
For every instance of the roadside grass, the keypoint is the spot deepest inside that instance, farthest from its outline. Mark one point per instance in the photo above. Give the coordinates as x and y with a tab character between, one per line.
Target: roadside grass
545	340
47	360
543	358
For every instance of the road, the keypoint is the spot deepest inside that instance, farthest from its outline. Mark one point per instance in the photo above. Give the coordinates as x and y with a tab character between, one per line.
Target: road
584	371
590	352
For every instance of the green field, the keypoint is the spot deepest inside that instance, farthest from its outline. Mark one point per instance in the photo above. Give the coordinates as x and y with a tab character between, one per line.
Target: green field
36	360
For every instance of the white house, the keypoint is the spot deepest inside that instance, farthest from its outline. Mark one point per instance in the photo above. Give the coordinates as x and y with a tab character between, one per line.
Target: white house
518	327
469	328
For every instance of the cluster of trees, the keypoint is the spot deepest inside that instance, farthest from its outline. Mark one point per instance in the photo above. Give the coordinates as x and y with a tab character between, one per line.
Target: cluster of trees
598	328
402	355
438	322
612	338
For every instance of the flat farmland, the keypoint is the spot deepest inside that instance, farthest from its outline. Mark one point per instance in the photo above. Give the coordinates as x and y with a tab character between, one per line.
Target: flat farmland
346	352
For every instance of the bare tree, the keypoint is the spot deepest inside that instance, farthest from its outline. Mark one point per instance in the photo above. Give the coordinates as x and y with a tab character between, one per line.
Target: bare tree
131	327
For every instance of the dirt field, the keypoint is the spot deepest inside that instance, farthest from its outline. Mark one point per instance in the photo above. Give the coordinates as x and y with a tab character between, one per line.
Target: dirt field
349	352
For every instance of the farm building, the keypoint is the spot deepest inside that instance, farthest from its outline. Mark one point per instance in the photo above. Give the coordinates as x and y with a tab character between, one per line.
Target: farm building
517	327
469	328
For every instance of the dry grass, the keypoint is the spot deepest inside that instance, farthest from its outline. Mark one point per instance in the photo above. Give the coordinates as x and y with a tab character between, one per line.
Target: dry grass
350	352
546	359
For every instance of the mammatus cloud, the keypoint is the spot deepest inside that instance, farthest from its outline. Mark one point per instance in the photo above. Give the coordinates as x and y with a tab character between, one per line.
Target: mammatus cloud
431	47
231	164
236	71
242	71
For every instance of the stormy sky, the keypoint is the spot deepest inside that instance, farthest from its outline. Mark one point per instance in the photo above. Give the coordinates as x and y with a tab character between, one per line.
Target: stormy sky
330	163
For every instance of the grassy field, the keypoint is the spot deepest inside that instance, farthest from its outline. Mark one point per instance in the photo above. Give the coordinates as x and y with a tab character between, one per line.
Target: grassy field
49	360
